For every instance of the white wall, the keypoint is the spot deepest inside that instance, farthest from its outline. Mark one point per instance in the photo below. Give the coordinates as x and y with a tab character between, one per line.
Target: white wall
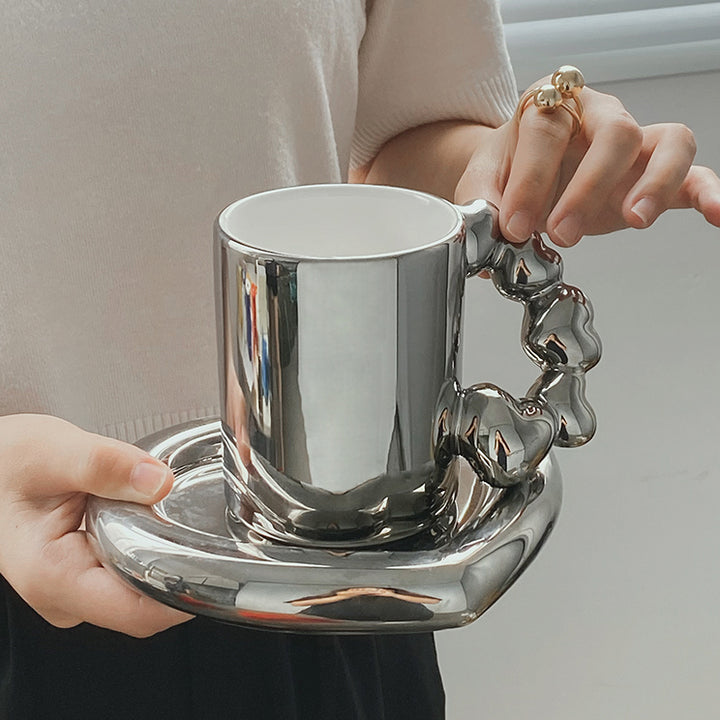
619	616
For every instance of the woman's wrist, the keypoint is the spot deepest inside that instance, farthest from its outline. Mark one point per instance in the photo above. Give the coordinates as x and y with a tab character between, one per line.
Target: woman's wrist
431	158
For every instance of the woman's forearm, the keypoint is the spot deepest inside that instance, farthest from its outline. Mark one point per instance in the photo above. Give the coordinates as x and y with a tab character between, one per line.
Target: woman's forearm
430	158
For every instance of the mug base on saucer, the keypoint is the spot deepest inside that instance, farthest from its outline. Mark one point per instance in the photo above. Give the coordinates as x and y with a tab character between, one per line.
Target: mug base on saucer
380	511
181	553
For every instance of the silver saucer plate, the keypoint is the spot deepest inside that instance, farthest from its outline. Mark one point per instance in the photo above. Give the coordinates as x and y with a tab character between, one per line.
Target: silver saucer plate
180	552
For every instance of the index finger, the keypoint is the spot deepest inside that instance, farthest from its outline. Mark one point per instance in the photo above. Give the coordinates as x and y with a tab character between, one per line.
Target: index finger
542	141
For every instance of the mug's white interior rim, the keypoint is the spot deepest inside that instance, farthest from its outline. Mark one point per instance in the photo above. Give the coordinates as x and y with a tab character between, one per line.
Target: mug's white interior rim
340	221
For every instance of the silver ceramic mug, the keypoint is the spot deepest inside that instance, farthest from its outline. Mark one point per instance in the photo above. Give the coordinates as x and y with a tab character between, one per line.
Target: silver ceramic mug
339	326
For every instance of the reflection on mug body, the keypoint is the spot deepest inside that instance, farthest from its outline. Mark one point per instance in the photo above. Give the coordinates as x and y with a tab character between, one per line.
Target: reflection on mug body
339	321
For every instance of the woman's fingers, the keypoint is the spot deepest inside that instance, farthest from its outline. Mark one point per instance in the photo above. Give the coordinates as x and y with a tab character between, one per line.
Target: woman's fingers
47	466
616	141
671	149
700	190
614	174
547	164
66	585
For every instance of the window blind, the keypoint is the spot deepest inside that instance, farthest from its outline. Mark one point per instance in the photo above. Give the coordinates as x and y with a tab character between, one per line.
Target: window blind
612	39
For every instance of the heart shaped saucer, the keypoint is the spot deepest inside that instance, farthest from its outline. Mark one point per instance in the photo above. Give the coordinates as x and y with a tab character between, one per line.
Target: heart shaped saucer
180	552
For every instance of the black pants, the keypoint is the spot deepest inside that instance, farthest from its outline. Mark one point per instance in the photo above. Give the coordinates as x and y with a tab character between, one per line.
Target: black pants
205	669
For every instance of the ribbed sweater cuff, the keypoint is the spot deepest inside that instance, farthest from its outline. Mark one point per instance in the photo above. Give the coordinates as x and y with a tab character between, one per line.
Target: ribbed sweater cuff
490	102
133	430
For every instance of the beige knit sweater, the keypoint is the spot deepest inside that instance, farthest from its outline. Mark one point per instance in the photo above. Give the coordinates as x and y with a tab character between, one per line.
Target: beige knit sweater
125	127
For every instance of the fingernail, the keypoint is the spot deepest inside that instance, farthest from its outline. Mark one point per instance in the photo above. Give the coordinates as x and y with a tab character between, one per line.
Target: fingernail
147	478
519	226
645	209
567	231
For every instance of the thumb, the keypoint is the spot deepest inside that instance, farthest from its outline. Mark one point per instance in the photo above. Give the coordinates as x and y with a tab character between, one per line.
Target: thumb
53	457
488	169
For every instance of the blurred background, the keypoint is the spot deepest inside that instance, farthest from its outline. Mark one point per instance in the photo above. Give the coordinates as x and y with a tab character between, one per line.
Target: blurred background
619	615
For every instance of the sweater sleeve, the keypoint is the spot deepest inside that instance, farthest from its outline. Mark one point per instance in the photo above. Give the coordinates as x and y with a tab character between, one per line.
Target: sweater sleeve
427	60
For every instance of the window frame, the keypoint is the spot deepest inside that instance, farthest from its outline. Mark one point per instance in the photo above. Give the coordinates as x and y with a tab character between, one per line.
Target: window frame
612	40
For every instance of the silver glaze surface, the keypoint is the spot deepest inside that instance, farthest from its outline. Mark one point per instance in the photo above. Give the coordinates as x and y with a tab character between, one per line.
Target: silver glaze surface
181	553
339	313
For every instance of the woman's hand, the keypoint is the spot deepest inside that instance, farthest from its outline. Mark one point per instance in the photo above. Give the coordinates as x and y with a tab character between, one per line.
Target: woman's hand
47	469
613	174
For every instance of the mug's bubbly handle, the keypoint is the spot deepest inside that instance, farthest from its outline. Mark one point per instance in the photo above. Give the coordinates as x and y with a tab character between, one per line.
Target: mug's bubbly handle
504	439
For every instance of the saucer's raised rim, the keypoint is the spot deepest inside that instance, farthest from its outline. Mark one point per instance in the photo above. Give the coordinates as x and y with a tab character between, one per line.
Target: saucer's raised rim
309	589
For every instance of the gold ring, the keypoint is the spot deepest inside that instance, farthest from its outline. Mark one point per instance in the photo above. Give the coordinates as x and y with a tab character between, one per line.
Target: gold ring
569	81
566	83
